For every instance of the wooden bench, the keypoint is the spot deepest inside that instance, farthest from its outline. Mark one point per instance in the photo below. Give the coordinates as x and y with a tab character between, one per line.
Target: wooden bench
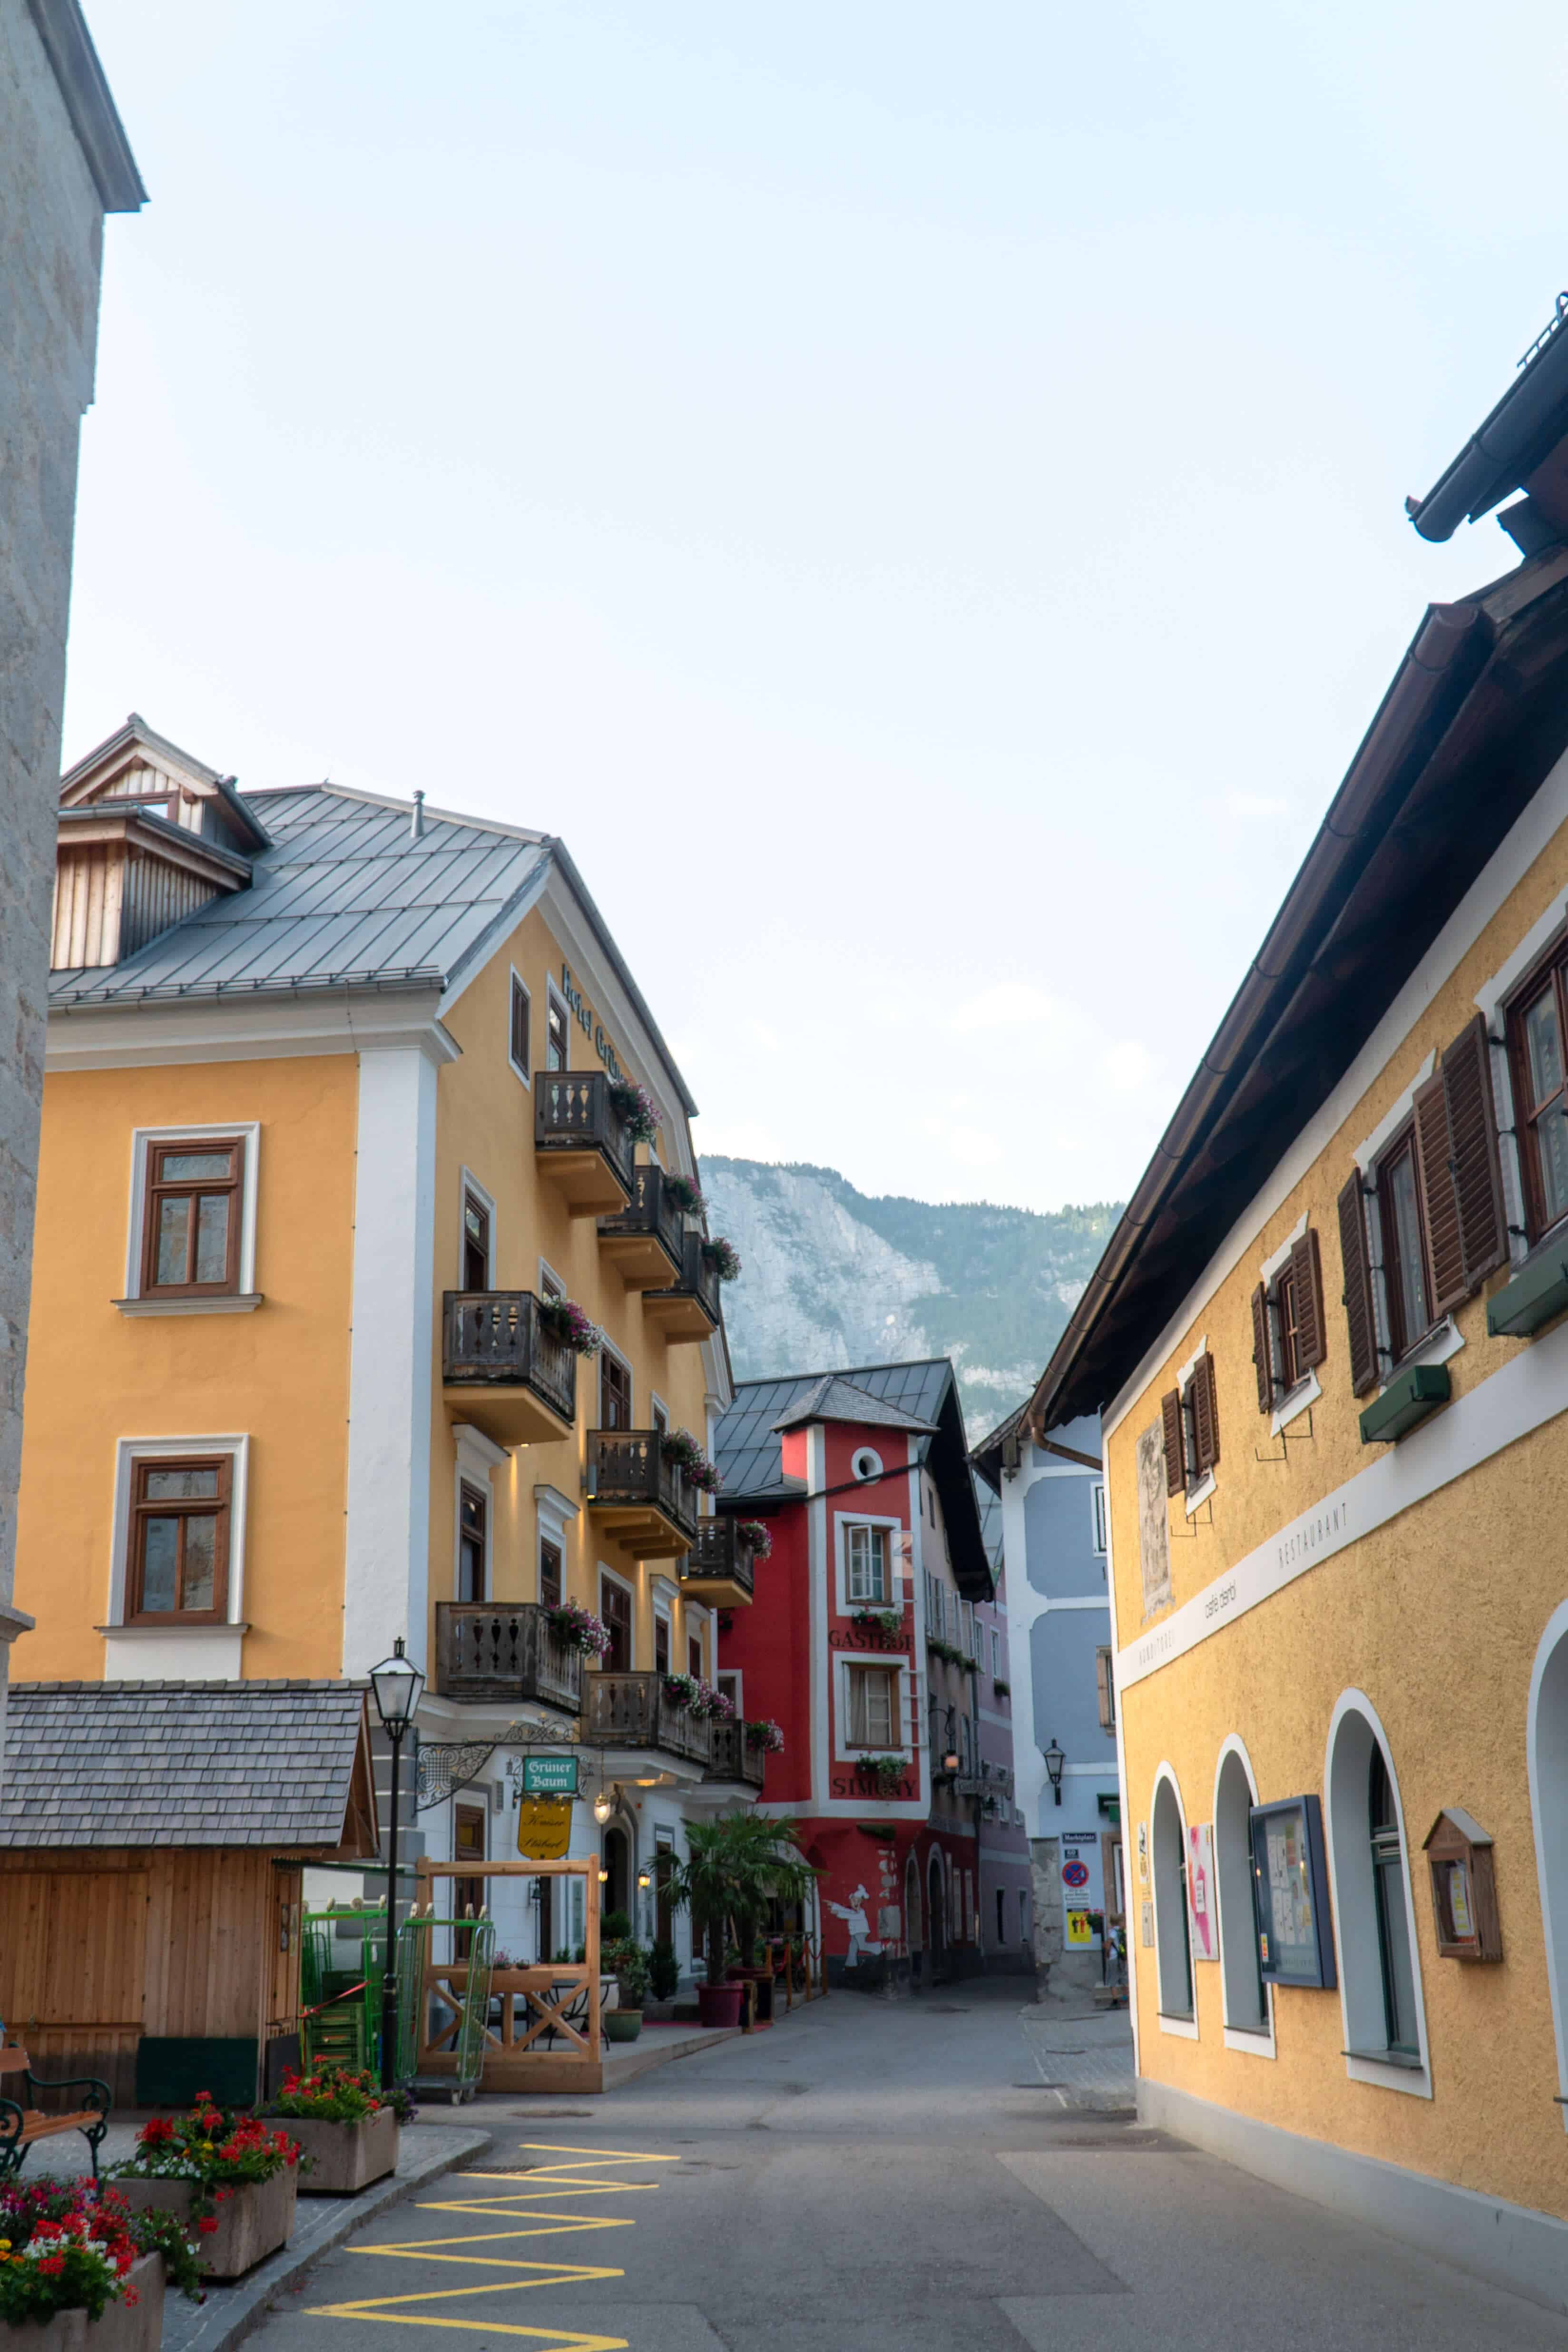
21	2126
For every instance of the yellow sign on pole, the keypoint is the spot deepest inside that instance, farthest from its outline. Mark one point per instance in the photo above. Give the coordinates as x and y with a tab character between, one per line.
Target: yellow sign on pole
1078	1929
544	1828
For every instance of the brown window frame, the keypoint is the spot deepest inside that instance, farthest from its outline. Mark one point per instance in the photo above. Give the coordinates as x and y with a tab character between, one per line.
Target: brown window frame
469	1489
144	1508
1550	972
476	1205
1402	1146
520	1033
694	1656
557	1033
548	1545
612	1373
617	1612
660	1643
156	1189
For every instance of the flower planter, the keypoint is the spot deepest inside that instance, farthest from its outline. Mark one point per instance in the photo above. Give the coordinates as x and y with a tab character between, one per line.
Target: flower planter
720	2005
344	2157
133	2326
623	2024
65	2332
253	2221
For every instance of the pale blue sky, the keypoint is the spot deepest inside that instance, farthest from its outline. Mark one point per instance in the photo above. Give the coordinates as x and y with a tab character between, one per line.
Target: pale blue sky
913	495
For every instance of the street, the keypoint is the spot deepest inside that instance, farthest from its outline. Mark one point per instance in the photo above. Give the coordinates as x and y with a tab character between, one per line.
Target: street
878	2176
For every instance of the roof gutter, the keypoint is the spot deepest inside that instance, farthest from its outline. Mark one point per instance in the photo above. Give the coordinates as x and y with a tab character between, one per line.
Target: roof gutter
1527	423
1431	682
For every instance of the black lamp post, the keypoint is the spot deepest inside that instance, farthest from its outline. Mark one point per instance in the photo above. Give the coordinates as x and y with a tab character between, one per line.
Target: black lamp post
397	1683
1056	1757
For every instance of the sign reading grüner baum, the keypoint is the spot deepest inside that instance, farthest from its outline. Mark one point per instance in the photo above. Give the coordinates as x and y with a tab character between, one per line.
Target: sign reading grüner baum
550	1776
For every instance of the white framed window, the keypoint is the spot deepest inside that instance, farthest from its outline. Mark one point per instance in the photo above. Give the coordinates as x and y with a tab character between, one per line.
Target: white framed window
134	1458
558	1029
873	1706
475	1235
1099	1502
866	1560
867	1463
1373	1910
518	1031
874	1717
995	1654
238	1294
730	1683
553	1515
1248	2001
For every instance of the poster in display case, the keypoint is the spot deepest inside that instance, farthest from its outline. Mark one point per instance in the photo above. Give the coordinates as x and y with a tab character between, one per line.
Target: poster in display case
1295	1942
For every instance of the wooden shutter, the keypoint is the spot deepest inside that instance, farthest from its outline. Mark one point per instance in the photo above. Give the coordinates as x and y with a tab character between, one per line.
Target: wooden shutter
1360	1327
1176	1464
1473	1154
1439	1203
1262	1353
1311	1335
1201	1394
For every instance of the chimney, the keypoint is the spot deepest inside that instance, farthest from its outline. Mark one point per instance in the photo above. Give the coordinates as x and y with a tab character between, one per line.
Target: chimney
416	821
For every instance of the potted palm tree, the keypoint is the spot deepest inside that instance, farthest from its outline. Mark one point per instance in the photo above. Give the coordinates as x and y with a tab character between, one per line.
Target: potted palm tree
734	1867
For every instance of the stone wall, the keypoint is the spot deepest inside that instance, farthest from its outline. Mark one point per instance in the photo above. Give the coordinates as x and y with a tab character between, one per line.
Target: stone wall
51	237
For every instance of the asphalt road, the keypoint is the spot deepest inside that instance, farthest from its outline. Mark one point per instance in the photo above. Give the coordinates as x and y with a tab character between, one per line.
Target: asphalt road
874	2177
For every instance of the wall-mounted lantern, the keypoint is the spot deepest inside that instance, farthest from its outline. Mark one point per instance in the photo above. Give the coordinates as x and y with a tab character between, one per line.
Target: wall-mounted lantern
1056	1761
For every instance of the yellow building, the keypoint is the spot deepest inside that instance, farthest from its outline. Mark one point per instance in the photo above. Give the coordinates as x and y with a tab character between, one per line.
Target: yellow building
342	1119
1328	1341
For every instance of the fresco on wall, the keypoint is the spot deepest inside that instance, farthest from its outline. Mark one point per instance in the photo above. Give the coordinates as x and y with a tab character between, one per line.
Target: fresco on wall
1153	1520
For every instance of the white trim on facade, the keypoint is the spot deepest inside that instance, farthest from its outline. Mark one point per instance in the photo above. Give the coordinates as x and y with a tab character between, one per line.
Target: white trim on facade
176	1652
263	1028
1248	2042
842	1522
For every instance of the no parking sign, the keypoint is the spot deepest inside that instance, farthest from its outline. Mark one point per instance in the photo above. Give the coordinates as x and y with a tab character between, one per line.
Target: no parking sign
1075	1873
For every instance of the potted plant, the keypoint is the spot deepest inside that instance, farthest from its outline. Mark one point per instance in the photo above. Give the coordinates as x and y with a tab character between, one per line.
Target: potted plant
723	1257
882	1774
627	1960
640	1115
565	1321
231	2178
75	2255
889	1622
766	1737
760	1536
680	1449
578	1629
687	1196
663	1972
341	2120
733	1865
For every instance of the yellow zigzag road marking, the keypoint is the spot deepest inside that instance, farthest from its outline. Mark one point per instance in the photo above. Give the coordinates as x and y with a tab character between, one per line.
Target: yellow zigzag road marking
516	2205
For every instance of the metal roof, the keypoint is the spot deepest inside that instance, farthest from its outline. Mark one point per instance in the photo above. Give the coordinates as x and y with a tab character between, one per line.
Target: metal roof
344	896
833	1397
180	1763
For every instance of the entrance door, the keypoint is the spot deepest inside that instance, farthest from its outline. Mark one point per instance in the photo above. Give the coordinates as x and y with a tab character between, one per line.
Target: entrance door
468	1845
664	1909
618	1886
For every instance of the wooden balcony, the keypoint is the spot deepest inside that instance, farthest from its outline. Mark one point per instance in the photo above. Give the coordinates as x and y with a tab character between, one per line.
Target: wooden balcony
581	1140
496	1656
503	1371
637	1496
687	1308
646	1241
732	1759
631	1711
721	1568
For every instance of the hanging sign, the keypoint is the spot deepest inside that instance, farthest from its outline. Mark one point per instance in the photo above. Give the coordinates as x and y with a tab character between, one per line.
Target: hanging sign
544	1828
550	1776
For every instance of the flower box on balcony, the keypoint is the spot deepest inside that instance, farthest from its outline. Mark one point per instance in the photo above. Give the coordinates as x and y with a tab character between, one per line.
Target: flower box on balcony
506	1367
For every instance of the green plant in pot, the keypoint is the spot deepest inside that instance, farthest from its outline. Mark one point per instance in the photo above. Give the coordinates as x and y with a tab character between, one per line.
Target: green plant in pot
628	1962
734	1866
663	1972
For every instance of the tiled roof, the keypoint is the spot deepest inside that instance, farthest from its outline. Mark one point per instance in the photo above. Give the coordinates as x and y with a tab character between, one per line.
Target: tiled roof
345	895
179	1764
833	1397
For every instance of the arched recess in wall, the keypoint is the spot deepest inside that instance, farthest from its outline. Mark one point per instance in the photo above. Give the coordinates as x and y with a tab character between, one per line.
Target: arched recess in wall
1247	2002
1547	1738
1173	1945
914	1909
1373	1906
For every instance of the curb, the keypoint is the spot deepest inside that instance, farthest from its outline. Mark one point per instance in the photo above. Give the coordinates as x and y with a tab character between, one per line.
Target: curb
232	2313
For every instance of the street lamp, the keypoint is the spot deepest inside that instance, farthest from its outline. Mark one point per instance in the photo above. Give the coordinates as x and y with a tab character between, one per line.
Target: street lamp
604	1804
1056	1757
397	1683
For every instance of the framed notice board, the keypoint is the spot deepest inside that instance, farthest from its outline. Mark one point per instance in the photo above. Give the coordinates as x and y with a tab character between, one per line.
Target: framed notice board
1295	1942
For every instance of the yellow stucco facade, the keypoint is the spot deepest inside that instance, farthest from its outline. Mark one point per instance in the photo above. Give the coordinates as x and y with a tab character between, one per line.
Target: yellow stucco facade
1426	1588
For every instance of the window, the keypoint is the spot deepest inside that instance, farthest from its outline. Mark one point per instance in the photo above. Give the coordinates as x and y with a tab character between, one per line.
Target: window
1001	1916
1173	1948
191	1217
1099	1492
1393	1914
1190	1413
995	1653
1535	1031
694	1656
178	1564
729	1688
1105	1679
476	1242
556	1044
867	1464
1288	1326
1241	1972
873	1706
550	1573
866	1553
661	1644
473	1530
467	1893
658	1417
1405	1293
550	1285
1379	1966
614	1392
615	1610
517	1030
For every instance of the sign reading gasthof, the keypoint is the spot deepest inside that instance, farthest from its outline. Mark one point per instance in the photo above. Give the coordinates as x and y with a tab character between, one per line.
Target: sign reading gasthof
550	1776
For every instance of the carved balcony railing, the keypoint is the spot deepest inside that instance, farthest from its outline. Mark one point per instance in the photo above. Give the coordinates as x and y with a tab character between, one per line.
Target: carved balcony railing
720	1568
582	1140
504	1370
632	1711
732	1759
646	1241
638	1497
497	1656
688	1308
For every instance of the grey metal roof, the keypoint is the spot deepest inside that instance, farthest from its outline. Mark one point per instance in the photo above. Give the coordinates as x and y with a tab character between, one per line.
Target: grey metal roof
179	1764
344	896
990	1524
749	1450
833	1397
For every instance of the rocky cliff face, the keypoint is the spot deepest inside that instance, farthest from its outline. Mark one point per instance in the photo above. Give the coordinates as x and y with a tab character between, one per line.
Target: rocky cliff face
830	1277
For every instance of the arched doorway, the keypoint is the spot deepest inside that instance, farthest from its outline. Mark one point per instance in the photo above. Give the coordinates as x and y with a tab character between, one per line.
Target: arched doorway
1173	1948
914	1917
617	1862
1373	1908
938	1915
1548	1746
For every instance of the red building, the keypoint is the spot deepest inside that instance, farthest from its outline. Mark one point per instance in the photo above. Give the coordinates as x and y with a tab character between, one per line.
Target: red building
864	1646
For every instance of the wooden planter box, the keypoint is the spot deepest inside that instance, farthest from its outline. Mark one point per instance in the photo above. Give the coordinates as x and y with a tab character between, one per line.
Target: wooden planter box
252	2223
124	2327
345	2158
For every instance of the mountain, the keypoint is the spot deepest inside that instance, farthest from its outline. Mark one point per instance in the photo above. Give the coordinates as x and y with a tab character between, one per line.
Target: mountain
830	1277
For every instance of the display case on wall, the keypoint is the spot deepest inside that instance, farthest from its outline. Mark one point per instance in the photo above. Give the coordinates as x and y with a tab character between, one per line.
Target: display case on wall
1295	1941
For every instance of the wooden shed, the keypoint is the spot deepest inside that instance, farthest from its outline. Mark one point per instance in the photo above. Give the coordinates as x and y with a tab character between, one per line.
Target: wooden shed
152	1842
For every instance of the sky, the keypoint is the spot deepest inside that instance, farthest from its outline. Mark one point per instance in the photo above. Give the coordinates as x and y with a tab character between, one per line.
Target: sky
913	495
